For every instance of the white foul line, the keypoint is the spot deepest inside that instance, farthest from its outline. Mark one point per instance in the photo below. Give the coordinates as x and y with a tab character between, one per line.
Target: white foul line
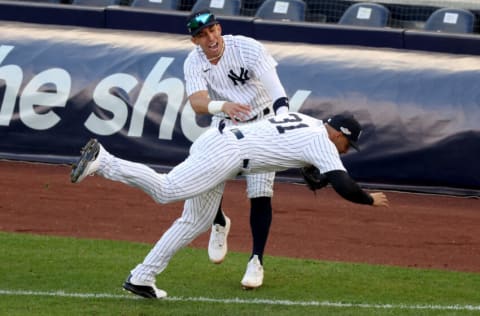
246	301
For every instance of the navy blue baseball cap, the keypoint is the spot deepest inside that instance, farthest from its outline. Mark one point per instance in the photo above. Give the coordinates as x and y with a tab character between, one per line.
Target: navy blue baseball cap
199	20
348	126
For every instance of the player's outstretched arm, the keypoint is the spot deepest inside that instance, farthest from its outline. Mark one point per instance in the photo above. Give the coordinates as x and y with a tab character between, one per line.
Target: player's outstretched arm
344	185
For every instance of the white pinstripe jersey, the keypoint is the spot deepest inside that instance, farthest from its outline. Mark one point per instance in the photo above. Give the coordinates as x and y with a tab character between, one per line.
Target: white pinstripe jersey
290	140
235	77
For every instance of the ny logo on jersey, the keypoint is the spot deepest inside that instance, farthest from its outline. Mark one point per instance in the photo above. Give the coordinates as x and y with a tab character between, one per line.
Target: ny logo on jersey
242	78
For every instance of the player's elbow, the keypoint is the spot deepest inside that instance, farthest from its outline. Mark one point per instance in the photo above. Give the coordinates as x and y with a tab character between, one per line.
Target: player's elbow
199	102
198	108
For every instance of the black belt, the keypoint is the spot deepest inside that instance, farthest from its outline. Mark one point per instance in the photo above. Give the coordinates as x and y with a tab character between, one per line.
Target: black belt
265	112
245	163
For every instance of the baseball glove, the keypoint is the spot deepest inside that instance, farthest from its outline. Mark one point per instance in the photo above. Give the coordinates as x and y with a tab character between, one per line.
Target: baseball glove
313	178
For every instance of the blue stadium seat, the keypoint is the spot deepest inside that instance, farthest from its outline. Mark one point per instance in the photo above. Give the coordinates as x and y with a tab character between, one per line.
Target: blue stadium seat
226	7
43	1
287	10
97	3
157	4
451	21
366	14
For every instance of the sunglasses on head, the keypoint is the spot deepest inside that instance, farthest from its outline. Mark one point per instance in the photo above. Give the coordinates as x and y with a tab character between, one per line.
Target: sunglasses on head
199	21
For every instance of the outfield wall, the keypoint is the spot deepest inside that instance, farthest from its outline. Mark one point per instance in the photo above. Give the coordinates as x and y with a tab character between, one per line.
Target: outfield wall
61	86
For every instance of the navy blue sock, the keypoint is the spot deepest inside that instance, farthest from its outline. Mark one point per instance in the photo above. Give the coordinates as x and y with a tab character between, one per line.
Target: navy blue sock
260	220
219	218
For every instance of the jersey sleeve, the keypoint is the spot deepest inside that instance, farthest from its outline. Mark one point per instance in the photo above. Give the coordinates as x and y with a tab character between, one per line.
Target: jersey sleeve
324	155
256	55
194	78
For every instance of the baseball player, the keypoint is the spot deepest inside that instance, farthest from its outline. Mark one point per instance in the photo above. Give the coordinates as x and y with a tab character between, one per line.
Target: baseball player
234	78
289	140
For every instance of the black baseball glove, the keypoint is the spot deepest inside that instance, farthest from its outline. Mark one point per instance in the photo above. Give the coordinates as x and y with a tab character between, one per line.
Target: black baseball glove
313	178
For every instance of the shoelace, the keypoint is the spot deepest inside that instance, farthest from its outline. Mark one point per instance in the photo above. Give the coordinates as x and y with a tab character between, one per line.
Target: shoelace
219	236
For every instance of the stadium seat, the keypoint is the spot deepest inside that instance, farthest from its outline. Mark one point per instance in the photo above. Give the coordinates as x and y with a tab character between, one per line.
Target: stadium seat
286	10
43	1
366	14
156	4
96	3
451	21
218	7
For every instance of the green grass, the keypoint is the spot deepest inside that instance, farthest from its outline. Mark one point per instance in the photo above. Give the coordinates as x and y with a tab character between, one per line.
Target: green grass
47	265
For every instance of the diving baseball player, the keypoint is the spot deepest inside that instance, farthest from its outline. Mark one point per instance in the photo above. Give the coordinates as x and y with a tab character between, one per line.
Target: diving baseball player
290	140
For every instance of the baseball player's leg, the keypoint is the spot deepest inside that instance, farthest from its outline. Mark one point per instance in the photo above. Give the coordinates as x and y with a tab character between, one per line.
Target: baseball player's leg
196	218
217	244
195	175
260	191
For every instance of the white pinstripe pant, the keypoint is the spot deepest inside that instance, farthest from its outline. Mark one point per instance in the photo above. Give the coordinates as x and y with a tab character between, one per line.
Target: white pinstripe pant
258	184
200	180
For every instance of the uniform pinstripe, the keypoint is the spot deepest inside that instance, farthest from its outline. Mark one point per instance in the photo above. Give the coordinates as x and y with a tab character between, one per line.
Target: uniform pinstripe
240	53
291	140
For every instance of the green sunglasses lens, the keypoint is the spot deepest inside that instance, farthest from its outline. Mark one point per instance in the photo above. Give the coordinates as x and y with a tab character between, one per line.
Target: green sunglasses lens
199	21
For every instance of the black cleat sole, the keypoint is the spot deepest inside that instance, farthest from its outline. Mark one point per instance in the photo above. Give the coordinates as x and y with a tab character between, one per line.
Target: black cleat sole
140	290
88	153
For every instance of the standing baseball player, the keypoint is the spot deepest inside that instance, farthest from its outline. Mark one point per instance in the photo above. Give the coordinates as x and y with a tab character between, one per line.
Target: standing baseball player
289	140
234	78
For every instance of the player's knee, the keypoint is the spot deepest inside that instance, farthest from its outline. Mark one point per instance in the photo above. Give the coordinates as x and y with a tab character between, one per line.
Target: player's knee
163	199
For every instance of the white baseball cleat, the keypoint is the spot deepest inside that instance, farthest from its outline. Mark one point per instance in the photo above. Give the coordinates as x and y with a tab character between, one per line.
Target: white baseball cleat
253	277
88	162
143	289
217	246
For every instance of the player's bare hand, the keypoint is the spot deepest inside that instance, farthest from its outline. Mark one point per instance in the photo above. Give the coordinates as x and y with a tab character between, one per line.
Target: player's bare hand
379	199
236	111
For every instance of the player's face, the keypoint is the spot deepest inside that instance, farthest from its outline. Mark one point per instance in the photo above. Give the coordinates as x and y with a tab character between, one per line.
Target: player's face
210	40
342	143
